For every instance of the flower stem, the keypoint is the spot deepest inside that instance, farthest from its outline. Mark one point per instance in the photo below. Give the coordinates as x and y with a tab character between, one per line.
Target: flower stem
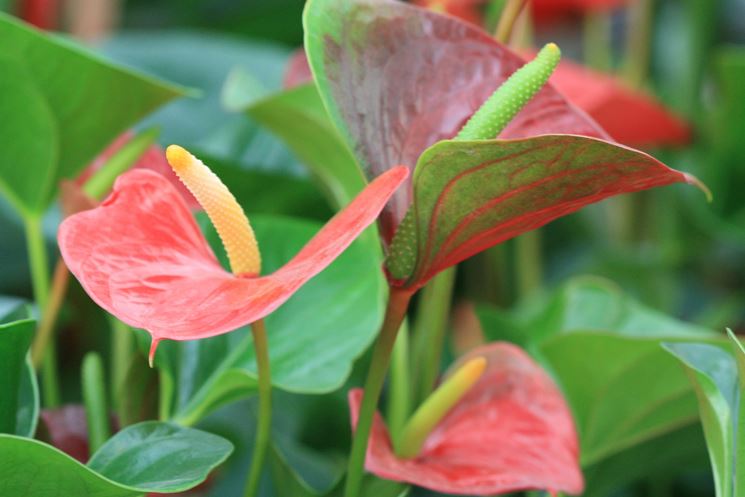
399	398
528	262
122	345
94	398
39	264
638	42
596	41
431	323
398	304
507	20
49	315
264	423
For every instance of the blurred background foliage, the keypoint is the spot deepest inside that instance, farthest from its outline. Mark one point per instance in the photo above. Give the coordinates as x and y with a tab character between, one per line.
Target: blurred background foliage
681	257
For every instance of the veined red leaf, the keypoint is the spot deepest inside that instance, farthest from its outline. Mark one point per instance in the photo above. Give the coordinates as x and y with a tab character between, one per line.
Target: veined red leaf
469	196
397	78
512	431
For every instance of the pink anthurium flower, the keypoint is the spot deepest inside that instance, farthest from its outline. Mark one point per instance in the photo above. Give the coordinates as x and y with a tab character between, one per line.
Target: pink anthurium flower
511	431
141	256
629	116
548	10
466	10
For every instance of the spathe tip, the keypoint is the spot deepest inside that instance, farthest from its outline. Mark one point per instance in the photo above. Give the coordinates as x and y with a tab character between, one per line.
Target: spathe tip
153	347
692	180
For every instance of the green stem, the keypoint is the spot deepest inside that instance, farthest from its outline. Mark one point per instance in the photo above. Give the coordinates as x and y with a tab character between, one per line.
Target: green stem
399	398
596	41
638	42
94	398
39	264
264	423
398	304
507	20
528	263
429	332
122	347
49	315
165	397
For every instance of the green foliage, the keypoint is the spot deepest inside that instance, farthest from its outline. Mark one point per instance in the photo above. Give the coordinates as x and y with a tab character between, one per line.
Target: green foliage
716	374
61	113
19	404
176	459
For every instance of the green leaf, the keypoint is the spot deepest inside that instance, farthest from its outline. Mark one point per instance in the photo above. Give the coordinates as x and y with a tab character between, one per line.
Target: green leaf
298	117
713	373
314	338
61	113
18	405
177	458
471	195
148	457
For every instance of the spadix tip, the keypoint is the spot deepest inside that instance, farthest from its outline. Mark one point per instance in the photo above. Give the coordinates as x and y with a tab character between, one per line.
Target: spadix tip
178	157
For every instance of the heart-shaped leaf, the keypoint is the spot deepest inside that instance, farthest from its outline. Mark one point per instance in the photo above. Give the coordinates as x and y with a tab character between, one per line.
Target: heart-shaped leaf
469	196
19	405
148	457
314	337
714	373
60	111
397	78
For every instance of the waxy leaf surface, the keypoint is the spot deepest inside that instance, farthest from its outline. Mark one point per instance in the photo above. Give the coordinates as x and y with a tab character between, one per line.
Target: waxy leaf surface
713	371
469	196
63	106
314	338
19	405
397	78
475	449
148	457
141	256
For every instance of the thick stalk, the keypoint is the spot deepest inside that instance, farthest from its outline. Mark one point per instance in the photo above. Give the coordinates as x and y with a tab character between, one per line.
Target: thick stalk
38	262
399	393
398	303
429	336
94	398
264	422
638	42
507	20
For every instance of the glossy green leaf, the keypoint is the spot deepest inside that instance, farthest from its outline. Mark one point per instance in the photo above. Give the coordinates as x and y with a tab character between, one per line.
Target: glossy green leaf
314	338
713	372
469	196
18	405
148	457
61	113
298	117
160	457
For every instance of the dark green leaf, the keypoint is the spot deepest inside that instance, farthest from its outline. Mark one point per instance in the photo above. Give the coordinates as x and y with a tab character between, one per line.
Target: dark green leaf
18	409
61	113
160	457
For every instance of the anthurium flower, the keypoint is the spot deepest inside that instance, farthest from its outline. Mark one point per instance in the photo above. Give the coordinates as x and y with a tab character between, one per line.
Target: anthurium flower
629	116
400	81
548	10
511	431
141	256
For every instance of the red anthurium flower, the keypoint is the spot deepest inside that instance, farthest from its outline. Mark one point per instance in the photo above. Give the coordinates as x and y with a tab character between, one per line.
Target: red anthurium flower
511	431
467	10
141	256
629	116
153	159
